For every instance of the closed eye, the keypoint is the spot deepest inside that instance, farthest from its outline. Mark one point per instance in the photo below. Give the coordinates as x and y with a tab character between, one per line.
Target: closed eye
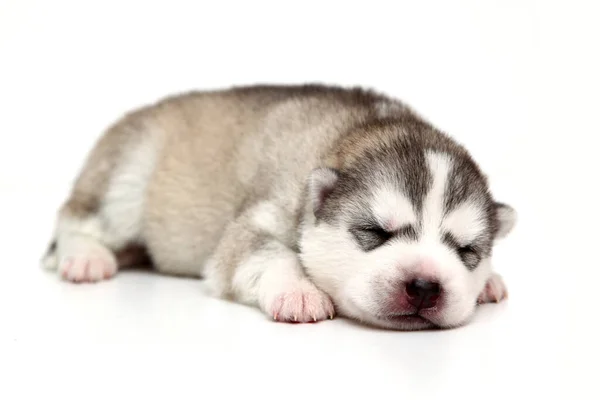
375	233
373	236
469	254
466	251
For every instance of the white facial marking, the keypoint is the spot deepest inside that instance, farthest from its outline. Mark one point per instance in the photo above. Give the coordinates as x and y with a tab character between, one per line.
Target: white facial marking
392	209
465	222
433	205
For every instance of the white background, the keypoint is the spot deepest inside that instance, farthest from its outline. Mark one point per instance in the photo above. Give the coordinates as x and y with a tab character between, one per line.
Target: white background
516	81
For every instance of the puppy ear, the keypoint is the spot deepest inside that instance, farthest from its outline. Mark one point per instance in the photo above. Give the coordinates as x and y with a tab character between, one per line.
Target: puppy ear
506	218
320	185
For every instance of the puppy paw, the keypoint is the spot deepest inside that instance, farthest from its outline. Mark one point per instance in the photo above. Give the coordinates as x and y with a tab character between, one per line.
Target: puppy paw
87	262
494	291
299	302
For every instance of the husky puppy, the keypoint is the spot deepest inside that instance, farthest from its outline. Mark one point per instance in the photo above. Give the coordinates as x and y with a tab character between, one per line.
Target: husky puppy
305	201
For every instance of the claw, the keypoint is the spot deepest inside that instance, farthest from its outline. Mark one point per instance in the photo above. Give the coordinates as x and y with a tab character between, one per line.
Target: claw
314	318
275	317
295	318
331	316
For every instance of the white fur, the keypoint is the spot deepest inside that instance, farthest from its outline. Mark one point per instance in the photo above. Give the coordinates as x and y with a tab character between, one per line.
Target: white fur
216	285
267	217
433	206
392	208
123	204
465	222
50	261
272	279
91	227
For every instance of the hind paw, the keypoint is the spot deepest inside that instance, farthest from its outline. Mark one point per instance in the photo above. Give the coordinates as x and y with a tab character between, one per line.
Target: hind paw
86	269
86	261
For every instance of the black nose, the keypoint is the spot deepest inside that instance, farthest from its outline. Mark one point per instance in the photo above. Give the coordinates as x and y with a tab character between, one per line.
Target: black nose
422	293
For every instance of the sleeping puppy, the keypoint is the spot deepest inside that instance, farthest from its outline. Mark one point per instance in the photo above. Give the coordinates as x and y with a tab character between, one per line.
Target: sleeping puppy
305	201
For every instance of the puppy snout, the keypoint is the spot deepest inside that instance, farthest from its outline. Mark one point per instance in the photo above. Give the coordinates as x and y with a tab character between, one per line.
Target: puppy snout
423	293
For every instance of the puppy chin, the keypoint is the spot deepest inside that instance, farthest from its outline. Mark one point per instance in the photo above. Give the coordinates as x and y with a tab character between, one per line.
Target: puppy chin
414	323
426	320
407	323
395	322
354	312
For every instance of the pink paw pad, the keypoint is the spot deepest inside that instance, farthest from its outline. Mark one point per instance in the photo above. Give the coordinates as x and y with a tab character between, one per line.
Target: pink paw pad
87	268
494	291
304	303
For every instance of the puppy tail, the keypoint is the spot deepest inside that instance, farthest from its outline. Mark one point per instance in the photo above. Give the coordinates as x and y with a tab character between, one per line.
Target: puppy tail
50	259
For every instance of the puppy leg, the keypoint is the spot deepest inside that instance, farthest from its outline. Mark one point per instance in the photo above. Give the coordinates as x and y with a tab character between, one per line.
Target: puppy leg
84	259
103	215
256	269
272	278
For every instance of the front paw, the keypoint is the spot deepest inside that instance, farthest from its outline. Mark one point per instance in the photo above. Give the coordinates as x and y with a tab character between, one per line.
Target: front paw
494	290
300	301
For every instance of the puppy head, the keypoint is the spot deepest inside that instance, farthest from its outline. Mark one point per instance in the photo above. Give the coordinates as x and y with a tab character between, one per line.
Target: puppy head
402	231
